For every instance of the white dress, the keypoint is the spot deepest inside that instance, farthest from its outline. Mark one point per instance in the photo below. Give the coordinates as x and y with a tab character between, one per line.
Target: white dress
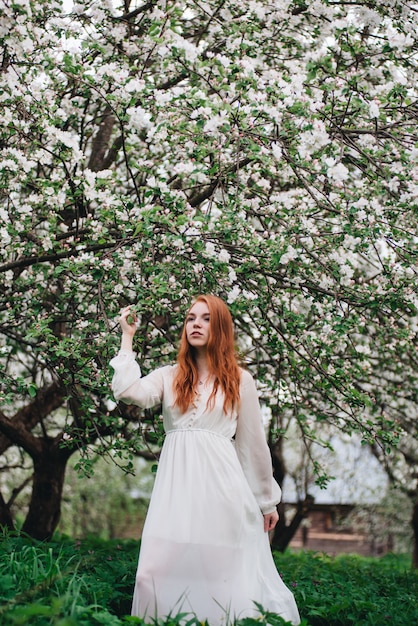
203	549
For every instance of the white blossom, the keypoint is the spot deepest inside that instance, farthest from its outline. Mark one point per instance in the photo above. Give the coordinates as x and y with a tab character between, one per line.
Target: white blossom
139	118
249	295
232	276
313	140
337	171
5	238
210	248
290	254
233	294
277	151
374	109
224	256
215	122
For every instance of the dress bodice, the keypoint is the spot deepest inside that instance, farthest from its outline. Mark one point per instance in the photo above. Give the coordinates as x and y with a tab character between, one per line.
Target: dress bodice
244	425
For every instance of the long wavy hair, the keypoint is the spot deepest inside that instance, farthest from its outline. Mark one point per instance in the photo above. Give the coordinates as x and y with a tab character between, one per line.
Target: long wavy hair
221	357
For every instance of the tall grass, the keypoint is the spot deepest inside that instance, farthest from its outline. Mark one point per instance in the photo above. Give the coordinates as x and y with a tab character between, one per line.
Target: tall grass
71	583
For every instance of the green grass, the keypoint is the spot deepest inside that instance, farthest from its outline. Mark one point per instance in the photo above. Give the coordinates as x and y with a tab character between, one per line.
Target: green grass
349	589
70	583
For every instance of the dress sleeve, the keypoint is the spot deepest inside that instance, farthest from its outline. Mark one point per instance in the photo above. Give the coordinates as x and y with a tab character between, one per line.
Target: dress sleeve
129	386
252	449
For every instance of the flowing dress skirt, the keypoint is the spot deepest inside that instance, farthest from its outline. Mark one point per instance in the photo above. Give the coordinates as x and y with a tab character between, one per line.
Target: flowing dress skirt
204	550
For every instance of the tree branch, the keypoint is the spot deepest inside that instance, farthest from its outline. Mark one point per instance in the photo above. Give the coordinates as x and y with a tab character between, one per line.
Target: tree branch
50	258
207	191
16	430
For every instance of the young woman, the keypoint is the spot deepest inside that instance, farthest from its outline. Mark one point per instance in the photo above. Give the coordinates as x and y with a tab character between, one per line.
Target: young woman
205	547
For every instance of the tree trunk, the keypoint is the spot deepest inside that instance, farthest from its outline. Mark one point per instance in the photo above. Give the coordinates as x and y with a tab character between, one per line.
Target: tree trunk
415	530
48	481
279	472
6	520
284	532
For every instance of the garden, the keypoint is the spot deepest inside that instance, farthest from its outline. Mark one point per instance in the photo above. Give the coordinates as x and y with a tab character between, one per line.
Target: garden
265	152
81	583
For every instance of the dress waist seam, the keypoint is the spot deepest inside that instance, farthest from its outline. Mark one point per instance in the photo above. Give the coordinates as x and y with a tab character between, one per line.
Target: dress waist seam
194	430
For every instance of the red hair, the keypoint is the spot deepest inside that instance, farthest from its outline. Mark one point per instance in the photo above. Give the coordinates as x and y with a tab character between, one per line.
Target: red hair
221	357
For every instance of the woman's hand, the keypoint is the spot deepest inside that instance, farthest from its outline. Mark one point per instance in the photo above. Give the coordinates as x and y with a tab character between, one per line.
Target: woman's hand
270	521
127	321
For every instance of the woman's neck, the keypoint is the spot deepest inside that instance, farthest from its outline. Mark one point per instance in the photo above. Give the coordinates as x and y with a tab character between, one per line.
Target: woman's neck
202	364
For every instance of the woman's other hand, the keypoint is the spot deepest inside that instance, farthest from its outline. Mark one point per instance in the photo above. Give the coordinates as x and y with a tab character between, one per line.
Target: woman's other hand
270	520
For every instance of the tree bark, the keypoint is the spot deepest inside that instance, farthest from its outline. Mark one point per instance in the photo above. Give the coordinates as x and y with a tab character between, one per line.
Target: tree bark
49	467
47	400
415	530
101	141
279	472
6	520
49	462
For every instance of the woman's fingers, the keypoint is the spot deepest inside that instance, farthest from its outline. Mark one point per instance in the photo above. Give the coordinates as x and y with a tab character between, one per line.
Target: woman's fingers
270	521
128	319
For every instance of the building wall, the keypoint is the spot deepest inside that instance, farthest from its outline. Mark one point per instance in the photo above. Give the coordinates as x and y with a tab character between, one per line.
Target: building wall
324	530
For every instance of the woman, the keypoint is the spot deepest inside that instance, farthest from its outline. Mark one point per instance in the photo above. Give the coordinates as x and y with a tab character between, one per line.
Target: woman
205	546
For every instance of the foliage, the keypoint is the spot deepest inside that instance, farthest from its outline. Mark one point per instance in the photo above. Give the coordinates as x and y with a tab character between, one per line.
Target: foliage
350	589
66	580
70	583
263	151
110	504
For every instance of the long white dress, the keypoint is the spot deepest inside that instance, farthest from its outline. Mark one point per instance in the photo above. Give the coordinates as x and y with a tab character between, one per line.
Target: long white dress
203	549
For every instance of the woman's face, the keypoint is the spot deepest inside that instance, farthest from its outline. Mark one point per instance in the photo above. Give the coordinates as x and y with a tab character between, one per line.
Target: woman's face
198	325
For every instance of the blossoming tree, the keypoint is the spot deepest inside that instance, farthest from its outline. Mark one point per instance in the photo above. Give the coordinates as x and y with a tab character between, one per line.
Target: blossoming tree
264	151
